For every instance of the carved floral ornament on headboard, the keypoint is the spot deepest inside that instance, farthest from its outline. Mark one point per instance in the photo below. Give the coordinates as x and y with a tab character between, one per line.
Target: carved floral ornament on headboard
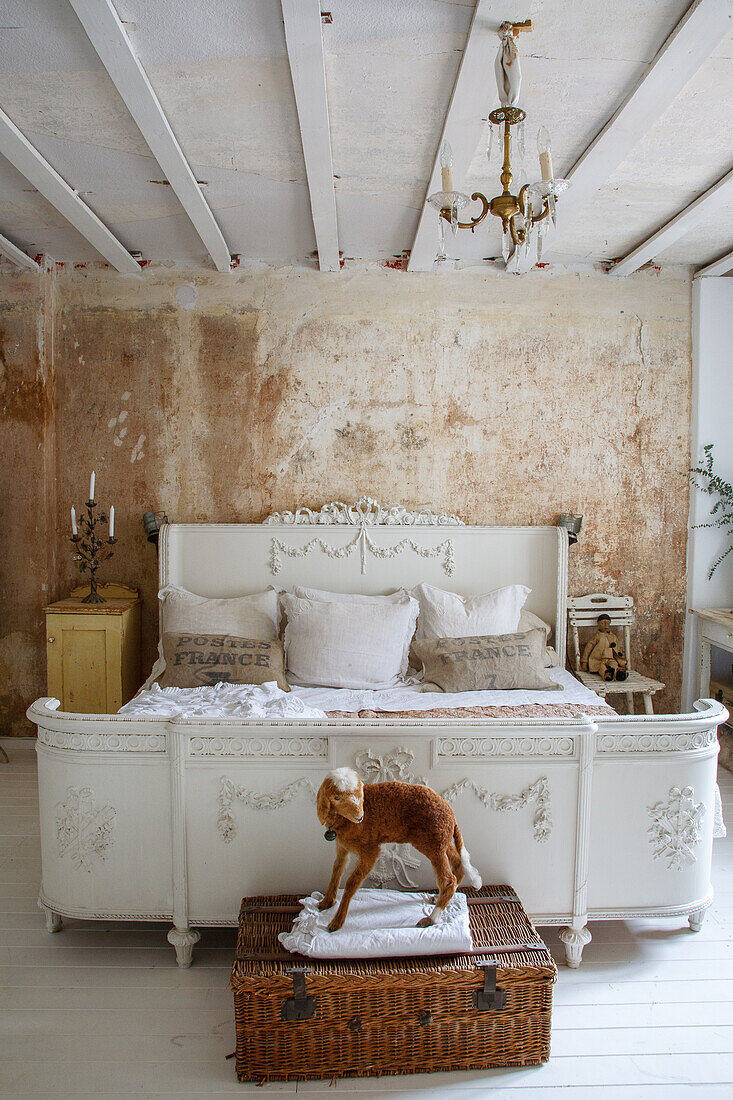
366	510
365	513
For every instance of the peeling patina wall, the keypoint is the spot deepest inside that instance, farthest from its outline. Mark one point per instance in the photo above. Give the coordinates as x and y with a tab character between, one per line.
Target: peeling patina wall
223	397
27	496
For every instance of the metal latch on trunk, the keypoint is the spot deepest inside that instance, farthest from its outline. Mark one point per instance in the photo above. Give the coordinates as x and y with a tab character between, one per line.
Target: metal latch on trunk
489	998
299	1006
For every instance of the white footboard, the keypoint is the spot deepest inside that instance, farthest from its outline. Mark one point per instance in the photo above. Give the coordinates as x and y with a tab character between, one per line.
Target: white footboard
177	819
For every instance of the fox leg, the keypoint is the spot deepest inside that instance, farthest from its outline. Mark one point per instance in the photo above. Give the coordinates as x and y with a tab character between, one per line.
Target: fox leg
446	886
338	869
353	882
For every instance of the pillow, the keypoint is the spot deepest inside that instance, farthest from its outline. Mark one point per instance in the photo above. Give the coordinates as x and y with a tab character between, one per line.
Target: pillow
448	615
254	616
319	594
352	644
501	662
182	612
529	621
195	659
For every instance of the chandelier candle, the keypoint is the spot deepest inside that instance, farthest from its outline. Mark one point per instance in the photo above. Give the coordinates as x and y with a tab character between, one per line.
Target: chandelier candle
544	148
446	167
89	549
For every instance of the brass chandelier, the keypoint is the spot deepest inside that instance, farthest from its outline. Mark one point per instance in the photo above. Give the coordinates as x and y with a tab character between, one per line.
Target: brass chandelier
526	214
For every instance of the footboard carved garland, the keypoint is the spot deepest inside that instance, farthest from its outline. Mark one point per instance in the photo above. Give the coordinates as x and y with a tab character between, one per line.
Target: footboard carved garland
230	792
396	765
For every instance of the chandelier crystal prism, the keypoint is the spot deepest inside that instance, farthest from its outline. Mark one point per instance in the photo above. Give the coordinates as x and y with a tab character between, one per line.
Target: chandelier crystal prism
525	215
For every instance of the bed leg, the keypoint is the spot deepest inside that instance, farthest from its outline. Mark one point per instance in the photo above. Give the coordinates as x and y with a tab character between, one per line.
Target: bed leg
696	917
183	939
575	940
54	922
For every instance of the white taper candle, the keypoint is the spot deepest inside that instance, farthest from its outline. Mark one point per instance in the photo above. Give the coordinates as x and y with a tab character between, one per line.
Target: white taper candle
544	148
112	521
91	486
546	165
73	520
446	167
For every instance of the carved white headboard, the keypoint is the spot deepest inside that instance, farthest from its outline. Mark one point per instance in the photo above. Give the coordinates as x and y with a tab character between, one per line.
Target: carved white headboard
370	549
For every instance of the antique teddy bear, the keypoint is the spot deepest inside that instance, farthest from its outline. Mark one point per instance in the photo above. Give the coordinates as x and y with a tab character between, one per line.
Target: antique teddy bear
603	655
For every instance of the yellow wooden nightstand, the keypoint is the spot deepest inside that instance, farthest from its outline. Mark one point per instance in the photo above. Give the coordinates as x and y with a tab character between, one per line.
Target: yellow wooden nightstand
93	650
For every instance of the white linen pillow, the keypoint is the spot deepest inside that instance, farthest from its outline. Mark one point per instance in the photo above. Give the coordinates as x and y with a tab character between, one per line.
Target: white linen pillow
350	644
529	621
322	595
256	616
183	612
448	615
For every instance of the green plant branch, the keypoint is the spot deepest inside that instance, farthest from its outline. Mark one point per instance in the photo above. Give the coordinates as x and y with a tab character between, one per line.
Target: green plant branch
716	486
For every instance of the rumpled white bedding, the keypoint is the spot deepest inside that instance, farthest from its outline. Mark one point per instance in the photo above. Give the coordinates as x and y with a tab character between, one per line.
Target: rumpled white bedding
268	701
221	701
379	924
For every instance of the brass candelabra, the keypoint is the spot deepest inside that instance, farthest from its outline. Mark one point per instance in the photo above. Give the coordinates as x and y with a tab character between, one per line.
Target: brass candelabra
90	549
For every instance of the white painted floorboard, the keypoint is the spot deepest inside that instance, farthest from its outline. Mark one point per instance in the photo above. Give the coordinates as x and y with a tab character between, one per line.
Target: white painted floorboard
101	1010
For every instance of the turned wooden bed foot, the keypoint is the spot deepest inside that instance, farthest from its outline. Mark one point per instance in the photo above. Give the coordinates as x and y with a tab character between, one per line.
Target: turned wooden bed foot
54	922
184	939
575	940
696	917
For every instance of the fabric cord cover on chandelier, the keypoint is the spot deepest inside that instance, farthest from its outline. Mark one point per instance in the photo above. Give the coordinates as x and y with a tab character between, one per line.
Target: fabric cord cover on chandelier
524	216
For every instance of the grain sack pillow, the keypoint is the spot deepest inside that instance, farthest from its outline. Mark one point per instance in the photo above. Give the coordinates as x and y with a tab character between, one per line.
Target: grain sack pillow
448	615
182	612
324	596
348	644
486	663
194	660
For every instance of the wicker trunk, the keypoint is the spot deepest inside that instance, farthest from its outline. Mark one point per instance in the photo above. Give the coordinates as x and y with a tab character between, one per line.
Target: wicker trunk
299	1018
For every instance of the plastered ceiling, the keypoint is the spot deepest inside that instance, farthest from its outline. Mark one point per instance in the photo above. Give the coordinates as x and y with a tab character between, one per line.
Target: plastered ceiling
221	73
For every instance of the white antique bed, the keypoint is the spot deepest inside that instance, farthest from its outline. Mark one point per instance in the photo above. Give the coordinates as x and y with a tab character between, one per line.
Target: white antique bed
175	819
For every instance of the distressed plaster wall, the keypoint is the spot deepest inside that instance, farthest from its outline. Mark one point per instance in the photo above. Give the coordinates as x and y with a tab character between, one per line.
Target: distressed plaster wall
223	397
27	505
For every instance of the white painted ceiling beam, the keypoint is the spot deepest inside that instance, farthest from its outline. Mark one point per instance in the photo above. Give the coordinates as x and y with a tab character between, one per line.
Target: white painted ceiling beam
717	267
703	207
109	38
16	148
304	41
474	89
698	33
12	252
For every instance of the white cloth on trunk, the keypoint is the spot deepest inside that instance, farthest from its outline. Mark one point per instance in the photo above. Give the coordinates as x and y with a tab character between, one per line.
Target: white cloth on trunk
380	924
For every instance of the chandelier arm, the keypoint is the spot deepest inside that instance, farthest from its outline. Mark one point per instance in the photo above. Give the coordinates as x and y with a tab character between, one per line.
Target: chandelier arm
518	235
544	214
475	197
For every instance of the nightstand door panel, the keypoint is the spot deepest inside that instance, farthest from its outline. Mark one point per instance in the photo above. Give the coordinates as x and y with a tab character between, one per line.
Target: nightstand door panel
84	665
84	655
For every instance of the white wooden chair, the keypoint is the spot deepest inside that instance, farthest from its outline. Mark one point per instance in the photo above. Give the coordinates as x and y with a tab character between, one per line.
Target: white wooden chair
583	611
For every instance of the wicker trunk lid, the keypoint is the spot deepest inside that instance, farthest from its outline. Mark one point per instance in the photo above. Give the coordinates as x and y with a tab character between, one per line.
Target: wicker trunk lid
369	1017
